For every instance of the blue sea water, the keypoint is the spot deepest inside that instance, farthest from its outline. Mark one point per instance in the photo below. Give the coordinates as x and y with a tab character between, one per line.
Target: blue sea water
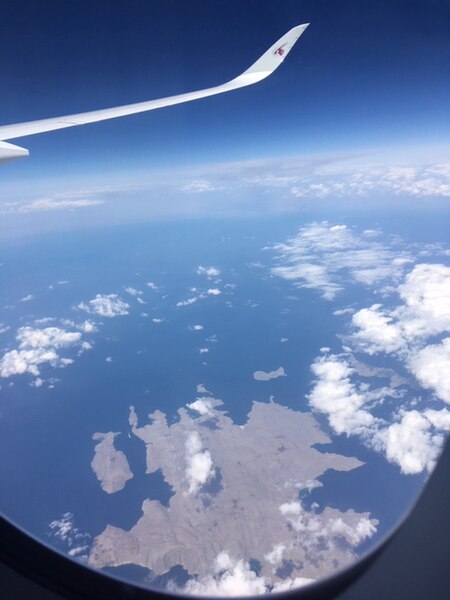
45	434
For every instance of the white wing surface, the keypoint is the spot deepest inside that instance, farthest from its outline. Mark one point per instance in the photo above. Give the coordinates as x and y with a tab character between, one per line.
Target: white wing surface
259	70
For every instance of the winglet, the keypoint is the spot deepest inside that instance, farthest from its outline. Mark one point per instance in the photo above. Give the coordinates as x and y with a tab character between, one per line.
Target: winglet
275	55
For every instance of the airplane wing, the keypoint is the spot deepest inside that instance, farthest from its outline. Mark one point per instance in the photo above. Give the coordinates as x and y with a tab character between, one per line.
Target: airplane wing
258	71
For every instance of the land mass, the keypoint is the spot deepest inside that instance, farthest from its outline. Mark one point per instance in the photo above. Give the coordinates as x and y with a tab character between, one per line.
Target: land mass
110	465
267	375
237	489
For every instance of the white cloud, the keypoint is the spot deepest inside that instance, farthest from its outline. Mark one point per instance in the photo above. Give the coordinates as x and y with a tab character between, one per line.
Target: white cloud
199	464
425	312
197	327
157	320
233	577
203	350
343	311
336	396
47	204
407	329
413	442
275	556
208	271
324	528
321	255
64	530
354	534
290	583
410	439
426	296
133	291
214	292
79	551
37	347
88	327
27	298
423	182
291	508
204	406
106	305
431	367
187	302
377	331
38	382
152	286
201	389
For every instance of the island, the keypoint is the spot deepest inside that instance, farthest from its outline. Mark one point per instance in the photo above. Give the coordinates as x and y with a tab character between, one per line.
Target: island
110	465
268	375
239	490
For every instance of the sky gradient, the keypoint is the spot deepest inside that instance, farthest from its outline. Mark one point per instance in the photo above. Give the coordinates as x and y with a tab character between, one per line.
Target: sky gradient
365	74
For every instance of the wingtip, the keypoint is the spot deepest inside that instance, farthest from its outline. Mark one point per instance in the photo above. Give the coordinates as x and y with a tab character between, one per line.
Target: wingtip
273	57
300	28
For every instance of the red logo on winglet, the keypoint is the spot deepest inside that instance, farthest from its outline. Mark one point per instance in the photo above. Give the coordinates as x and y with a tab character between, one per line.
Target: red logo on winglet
280	51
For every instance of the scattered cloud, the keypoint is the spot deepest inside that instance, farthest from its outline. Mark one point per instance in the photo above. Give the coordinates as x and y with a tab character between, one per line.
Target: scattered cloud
201	389
423	182
64	531
199	464
411	325
214	292
38	347
187	302
431	367
325	257
424	312
133	291
275	556
208	271
314	529
87	326
204	406
233	577
152	286
27	298
106	305
415	441
336	396
410	439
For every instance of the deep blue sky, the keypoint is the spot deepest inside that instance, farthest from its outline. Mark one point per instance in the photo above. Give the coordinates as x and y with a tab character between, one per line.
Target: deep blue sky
365	74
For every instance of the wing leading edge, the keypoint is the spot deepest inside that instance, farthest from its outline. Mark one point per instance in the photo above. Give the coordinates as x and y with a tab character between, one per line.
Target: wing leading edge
258	71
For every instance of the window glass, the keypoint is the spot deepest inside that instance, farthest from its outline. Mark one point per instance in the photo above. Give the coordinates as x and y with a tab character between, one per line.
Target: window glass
224	324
